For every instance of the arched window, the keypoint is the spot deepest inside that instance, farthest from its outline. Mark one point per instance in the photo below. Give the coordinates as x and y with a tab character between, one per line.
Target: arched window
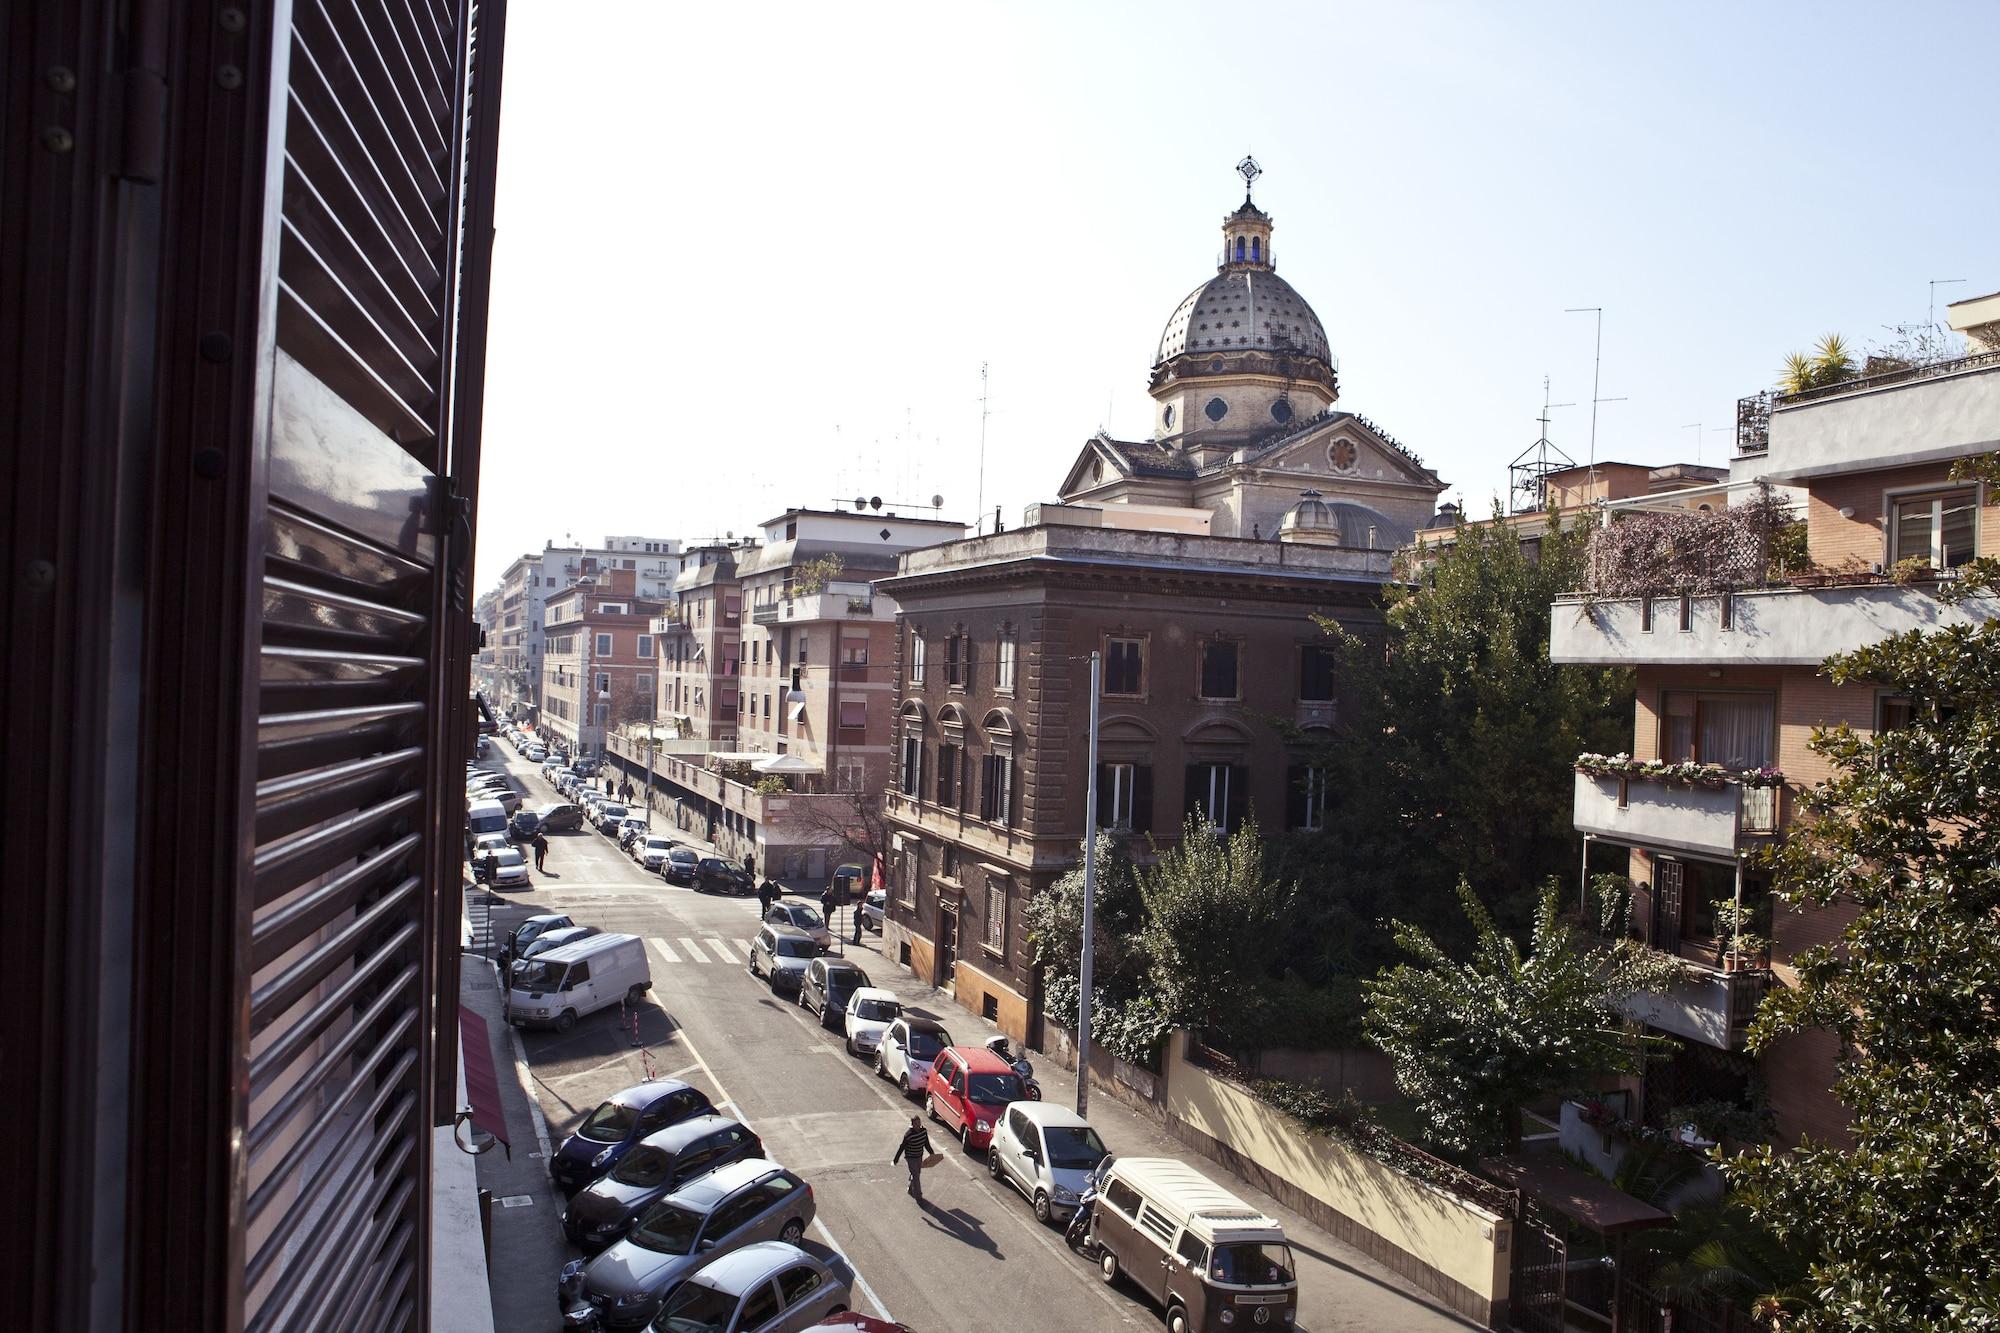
1256	249
1239	249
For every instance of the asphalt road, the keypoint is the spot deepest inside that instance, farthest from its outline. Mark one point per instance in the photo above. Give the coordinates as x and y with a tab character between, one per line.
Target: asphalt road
972	1257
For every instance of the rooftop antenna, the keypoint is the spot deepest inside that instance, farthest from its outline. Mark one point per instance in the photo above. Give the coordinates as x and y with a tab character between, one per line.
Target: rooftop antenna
1695	426
979	492
1527	475
1596	366
1930	315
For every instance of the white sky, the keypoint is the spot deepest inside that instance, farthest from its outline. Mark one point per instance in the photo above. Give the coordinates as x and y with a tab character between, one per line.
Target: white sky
752	255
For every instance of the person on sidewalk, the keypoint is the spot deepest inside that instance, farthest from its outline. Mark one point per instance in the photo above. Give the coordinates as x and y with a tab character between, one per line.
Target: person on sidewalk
857	922
912	1151
767	893
541	846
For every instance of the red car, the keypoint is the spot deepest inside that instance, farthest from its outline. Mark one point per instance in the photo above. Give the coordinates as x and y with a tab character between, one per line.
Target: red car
968	1090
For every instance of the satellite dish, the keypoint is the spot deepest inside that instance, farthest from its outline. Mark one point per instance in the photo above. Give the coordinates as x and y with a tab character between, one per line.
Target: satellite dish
874	502
731	536
937	502
860	502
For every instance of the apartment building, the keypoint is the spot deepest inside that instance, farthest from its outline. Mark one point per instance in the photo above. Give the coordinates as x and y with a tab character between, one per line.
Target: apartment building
1203	640
599	663
698	641
531	579
1731	679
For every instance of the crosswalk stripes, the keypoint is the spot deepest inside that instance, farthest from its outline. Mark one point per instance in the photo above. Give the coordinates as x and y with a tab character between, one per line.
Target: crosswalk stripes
722	950
694	950
667	949
744	945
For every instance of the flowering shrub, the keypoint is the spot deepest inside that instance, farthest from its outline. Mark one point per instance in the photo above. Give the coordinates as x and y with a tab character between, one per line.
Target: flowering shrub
1686	773
1656	553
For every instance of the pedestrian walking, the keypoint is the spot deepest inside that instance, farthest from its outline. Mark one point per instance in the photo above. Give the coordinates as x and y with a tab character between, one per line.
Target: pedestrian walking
914	1152
750	864
541	846
857	923
767	893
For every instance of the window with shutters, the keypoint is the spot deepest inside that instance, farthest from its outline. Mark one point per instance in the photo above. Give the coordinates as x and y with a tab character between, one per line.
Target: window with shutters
1125	797
1124	667
1003	665
853	720
916	656
950	763
996	914
957	660
910	773
996	790
1216	793
1305	797
1316	673
1218	669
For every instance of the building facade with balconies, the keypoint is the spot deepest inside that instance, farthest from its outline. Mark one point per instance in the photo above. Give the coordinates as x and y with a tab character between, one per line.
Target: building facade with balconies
699	644
599	663
1730	693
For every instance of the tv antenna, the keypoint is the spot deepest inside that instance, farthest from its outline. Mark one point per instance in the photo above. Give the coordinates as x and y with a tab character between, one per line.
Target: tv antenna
1596	368
1930	314
979	492
1695	426
1528	474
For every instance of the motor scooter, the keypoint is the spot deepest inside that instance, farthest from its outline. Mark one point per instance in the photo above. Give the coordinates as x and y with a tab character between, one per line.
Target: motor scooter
578	1315
1019	1061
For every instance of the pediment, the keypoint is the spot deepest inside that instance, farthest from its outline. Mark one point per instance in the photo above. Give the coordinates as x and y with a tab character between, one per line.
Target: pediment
1346	447
1095	464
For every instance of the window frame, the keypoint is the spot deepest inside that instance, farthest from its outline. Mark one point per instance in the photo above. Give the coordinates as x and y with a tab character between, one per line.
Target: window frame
1940	497
1235	647
1006	662
917	656
604	642
996	920
1139	643
1318	651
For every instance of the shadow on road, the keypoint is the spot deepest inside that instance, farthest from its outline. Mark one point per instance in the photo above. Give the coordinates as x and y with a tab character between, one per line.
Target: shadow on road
960	1226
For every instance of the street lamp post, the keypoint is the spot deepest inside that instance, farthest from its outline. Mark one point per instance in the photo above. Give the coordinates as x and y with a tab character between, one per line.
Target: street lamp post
1089	899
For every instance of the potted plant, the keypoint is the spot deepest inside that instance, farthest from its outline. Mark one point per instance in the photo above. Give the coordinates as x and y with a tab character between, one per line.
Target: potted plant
1742	948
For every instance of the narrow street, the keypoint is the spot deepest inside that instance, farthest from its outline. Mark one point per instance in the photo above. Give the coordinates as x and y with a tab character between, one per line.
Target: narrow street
822	1113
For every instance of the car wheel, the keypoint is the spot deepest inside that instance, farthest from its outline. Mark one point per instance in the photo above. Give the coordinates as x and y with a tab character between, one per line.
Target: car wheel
1177	1320
908	1090
1107	1268
793	1230
635	995
1042	1213
880	1070
566	1020
993	1162
965	1139
930	1107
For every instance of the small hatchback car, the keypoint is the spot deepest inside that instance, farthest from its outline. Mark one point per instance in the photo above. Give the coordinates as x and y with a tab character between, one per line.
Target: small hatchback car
779	954
607	1133
907	1050
969	1090
604	1210
828	982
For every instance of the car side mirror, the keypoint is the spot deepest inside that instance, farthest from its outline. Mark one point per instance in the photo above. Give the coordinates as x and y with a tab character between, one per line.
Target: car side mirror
706	1243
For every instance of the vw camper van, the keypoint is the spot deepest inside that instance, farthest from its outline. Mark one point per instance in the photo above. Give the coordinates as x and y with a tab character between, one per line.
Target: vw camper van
1211	1260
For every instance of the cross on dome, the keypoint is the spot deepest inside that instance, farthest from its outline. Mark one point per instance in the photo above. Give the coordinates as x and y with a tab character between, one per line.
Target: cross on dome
1249	171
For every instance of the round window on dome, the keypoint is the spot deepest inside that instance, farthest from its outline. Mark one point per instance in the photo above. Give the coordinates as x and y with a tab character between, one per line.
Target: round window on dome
1168	416
1216	409
1281	411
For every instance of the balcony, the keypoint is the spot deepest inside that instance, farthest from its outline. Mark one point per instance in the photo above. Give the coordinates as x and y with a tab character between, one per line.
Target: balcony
1919	414
1714	822
1708	1006
767	614
824	606
1786	626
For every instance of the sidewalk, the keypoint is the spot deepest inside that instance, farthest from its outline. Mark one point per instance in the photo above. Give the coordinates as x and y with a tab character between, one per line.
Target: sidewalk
1349	1290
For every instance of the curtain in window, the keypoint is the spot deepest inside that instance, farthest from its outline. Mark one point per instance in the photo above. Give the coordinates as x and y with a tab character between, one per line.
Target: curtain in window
1736	733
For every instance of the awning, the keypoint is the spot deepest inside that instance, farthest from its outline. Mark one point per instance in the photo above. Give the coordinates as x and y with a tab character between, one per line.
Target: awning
785	763
1594	1204
482	1084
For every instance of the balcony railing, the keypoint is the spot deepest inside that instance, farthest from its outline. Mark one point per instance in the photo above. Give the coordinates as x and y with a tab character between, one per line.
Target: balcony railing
1717	819
1753	423
1707	1005
1907	375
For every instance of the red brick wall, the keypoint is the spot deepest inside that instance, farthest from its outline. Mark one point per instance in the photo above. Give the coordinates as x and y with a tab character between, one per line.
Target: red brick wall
1798	1075
1834	541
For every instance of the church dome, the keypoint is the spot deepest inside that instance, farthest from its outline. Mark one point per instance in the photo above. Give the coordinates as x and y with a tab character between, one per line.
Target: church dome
1343	523
1244	307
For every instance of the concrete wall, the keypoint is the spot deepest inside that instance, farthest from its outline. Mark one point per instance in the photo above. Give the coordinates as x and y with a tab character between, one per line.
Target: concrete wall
1453	1249
1912	422
1768	627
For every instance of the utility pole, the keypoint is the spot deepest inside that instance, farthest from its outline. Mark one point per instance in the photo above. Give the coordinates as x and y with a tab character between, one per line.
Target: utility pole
1089	902
979	501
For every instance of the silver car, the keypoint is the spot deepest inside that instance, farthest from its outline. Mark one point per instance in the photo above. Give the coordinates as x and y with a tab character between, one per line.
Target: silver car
770	1287
734	1206
780	955
802	916
1047	1153
661	1163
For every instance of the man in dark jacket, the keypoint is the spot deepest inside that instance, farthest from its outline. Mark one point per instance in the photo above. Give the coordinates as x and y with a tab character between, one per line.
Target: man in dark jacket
767	893
541	846
915	1146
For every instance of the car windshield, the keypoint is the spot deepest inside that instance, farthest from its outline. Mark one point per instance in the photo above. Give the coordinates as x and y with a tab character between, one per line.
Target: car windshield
609	1123
644	1166
994	1089
614	811
877	1011
925	1044
807	917
696	1309
791	948
1074	1149
537	976
1251	1265
656	844
511	856
667	1229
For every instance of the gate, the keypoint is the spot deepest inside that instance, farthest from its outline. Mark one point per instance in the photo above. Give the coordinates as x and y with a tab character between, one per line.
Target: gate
1537	1296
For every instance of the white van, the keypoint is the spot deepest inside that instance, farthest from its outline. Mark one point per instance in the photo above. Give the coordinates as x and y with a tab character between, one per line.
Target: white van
484	817
564	984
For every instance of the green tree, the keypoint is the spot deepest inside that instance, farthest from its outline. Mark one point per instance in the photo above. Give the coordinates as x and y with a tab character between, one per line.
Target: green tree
1831	362
1123	1018
1905	839
1212	909
1472	1041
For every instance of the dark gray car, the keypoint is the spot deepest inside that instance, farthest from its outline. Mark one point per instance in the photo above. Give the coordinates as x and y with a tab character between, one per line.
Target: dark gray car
605	1209
737	1205
769	1287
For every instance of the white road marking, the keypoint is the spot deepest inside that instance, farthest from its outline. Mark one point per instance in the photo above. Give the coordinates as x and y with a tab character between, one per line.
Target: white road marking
521	1077
693	949
722	950
744	945
667	950
860	1282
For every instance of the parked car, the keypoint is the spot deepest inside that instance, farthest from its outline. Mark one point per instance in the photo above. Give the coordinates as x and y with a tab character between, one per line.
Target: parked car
534	754
555	939
560	817
875	909
969	1090
483	816
680	866
577	979
508	799
800	916
652	849
739	1204
870	1011
907	1051
604	1210
527	932
609	816
779	954
715	875
769	1287
620	1121
524	825
484	843
828	984
1191	1245
509	869
1045	1152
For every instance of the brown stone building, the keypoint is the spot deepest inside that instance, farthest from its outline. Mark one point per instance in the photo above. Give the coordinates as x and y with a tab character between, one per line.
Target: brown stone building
597	660
1194	562
1733	679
